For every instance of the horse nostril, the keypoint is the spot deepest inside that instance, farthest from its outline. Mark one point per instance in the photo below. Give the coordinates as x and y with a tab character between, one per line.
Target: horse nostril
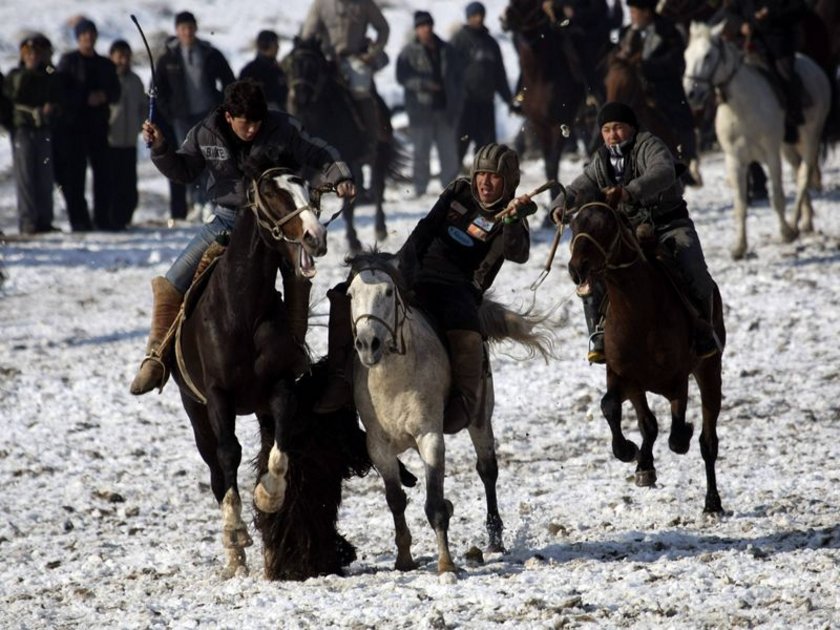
359	345
375	344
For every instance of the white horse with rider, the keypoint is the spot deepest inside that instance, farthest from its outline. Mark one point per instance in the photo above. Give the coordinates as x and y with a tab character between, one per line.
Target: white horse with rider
749	124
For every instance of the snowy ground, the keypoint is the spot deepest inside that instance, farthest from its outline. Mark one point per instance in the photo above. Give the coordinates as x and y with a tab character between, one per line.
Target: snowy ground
107	519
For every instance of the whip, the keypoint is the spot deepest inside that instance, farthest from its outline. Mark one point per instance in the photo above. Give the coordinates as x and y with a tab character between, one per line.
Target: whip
153	88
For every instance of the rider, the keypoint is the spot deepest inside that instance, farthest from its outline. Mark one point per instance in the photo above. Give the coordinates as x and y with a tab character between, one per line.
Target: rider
239	133
342	26
655	41
634	171
771	25
449	261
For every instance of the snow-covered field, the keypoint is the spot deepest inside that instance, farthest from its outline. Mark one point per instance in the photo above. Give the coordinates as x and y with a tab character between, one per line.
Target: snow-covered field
106	519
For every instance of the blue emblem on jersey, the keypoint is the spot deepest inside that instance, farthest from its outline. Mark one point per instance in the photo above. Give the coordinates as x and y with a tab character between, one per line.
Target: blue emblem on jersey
460	236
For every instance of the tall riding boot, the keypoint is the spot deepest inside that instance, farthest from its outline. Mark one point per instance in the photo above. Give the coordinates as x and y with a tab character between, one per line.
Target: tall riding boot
296	297
466	352
167	303
339	390
592	303
706	343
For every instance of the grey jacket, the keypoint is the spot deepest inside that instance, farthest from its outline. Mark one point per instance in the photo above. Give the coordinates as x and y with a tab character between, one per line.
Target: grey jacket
343	24
281	141
128	114
416	73
649	177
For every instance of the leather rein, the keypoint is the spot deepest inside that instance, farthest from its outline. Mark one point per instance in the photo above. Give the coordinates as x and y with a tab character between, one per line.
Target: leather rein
623	236
266	219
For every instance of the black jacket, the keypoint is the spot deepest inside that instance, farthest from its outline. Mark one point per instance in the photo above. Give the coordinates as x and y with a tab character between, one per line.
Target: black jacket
171	76
211	144
28	91
80	76
270	75
776	34
484	70
457	243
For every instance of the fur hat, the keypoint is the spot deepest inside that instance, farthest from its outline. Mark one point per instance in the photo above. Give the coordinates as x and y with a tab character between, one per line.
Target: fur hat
617	112
423	17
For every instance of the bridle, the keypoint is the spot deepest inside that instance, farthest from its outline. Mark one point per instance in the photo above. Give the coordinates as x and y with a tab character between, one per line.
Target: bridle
720	46
265	218
298	80
623	236
395	330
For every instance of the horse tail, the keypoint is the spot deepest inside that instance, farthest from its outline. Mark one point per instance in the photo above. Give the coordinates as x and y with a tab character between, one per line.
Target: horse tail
529	328
392	157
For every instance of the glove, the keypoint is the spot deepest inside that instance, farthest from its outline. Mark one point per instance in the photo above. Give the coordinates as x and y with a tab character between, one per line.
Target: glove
614	195
522	211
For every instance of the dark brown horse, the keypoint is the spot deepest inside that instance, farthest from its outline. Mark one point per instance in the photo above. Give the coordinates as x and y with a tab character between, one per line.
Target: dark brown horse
647	339
551	96
239	356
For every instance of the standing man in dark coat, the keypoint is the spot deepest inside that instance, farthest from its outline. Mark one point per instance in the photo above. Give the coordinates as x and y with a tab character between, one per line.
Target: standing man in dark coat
484	77
91	87
265	70
191	77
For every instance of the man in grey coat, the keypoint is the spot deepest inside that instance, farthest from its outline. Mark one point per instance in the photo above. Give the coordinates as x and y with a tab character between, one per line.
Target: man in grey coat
430	70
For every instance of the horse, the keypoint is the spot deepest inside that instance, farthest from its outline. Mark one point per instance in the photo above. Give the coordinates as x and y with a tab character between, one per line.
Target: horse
401	381
749	124
319	98
647	343
235	354
551	95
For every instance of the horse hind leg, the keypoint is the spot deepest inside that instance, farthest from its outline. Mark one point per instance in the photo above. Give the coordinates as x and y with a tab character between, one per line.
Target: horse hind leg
438	509
645	470
708	381
788	232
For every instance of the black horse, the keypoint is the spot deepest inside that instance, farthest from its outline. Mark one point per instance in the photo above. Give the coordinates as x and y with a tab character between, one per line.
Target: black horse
319	98
236	354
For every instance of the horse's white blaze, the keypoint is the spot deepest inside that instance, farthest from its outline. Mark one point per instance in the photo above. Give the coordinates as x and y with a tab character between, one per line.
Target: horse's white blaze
296	187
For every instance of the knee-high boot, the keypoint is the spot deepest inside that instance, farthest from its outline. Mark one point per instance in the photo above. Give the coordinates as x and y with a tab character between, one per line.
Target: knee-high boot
592	303
339	390
167	303
466	352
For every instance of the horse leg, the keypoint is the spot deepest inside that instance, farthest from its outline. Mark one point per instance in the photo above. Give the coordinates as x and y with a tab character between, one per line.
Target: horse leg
552	145
348	210
645	470
737	171
488	470
679	439
622	448
206	442
707	376
271	489
438	509
774	172
377	185
388	467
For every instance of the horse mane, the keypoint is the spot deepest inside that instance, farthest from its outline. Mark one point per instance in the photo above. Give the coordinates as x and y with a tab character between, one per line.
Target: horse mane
387	263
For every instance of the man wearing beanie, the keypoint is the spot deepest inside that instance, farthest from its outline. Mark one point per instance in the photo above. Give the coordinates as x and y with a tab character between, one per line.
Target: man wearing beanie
430	70
191	75
91	86
484	77
635	172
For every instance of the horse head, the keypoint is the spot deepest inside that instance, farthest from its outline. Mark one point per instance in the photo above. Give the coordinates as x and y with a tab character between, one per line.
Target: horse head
287	218
710	63
600	235
378	306
307	70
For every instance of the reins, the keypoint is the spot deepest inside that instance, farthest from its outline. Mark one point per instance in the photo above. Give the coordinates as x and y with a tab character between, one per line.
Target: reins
396	331
621	237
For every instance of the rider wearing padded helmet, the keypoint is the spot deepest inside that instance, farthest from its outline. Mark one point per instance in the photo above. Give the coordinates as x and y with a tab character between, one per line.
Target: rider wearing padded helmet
449	261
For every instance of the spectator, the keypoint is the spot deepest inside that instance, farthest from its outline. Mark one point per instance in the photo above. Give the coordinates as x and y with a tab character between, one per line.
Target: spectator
34	91
191	77
126	122
91	86
430	71
484	77
265	70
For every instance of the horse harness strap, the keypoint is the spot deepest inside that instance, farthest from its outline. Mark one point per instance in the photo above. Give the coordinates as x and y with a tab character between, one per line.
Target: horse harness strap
609	251
266	220
397	330
720	86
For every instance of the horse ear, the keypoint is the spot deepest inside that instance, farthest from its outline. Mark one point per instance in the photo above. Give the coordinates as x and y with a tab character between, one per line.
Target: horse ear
255	165
718	29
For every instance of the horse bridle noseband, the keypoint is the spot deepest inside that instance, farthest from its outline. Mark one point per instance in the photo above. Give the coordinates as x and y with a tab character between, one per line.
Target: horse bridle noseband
396	330
720	46
265	219
619	238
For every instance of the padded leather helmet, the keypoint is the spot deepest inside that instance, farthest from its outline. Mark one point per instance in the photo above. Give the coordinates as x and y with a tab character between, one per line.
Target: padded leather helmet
499	159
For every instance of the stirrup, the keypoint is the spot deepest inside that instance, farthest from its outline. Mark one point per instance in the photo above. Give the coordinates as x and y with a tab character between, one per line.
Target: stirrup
595	353
154	357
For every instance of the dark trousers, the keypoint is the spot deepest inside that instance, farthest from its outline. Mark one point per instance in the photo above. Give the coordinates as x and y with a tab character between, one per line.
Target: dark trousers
76	149
124	181
451	307
477	125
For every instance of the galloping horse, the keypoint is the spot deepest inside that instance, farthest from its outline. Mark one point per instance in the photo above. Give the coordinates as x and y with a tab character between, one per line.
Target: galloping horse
647	343
238	354
401	385
749	124
318	97
552	96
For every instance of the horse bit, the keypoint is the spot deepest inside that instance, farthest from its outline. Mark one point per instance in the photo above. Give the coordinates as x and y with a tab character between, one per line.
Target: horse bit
396	331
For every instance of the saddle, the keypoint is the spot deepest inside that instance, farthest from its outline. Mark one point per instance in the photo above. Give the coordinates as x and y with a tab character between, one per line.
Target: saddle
775	81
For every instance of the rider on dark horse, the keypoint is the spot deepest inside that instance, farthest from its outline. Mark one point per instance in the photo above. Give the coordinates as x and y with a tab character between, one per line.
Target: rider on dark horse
239	134
449	261
770	26
341	26
634	172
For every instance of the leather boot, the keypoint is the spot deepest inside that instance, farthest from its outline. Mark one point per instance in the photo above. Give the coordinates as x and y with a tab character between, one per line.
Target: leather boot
296	297
466	357
167	303
592	302
339	390
706	342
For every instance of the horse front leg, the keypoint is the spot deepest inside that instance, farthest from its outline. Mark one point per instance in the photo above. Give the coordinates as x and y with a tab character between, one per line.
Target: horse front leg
679	439
624	449
645	470
388	467
708	379
438	509
377	187
271	489
737	173
774	172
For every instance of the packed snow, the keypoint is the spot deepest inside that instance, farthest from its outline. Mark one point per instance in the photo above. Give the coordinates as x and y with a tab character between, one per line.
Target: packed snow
108	520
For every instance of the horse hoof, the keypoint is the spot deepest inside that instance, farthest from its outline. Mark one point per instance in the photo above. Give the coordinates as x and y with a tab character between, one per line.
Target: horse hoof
381	234
269	502
625	451
236	538
713	506
738	252
232	571
405	565
448	577
495	547
680	440
789	234
645	478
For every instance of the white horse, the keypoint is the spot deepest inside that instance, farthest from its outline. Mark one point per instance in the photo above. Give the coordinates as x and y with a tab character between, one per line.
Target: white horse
401	386
750	124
